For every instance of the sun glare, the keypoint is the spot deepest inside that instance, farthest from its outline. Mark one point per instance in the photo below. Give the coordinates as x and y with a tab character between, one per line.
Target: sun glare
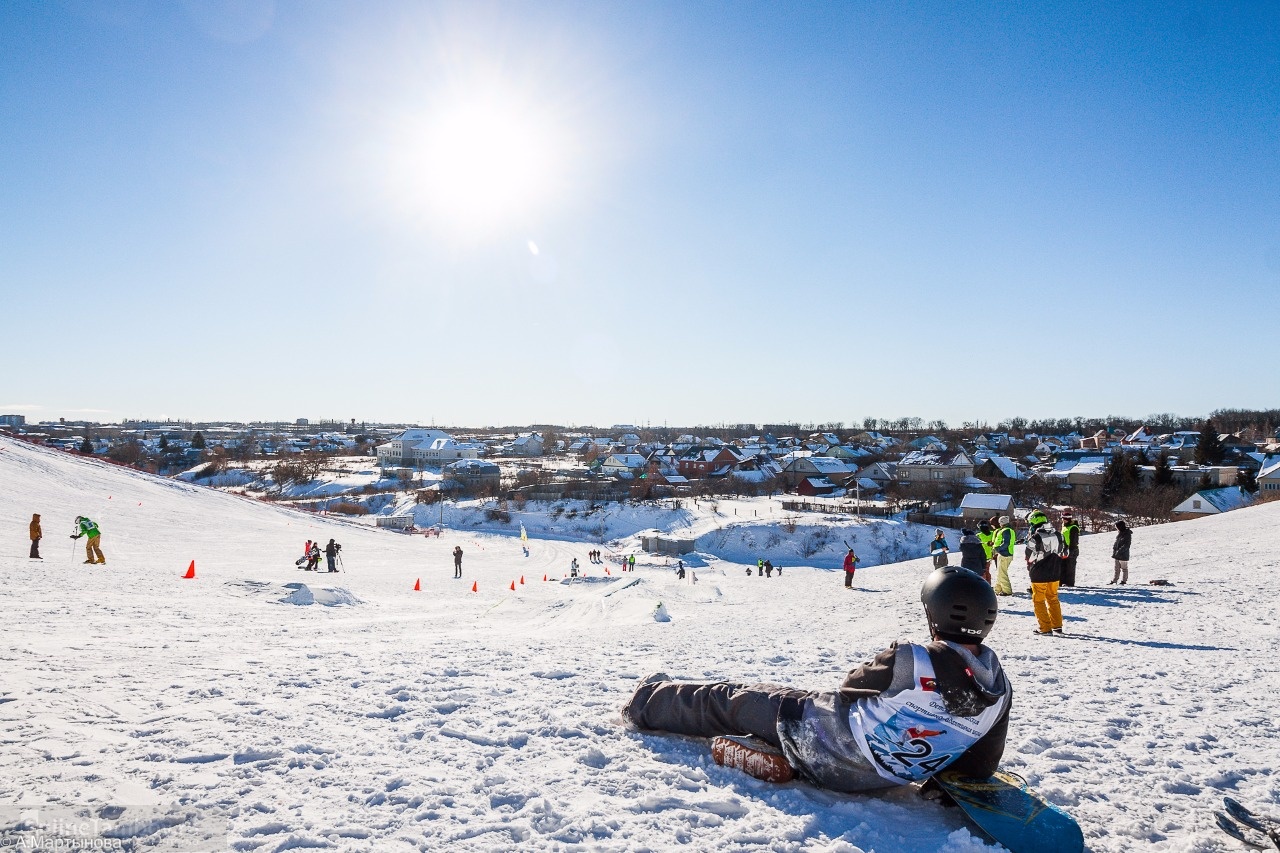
478	163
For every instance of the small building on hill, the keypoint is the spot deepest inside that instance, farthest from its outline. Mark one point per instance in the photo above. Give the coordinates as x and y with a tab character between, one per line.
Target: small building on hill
1211	502
983	506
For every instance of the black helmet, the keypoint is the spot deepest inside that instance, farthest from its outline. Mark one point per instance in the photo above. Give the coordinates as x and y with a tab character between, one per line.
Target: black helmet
959	604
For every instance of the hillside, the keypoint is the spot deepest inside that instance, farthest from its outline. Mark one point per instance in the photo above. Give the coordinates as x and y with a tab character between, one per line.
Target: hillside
356	714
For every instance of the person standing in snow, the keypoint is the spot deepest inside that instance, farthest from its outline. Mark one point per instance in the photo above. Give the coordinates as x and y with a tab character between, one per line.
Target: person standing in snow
85	527
1071	546
1044	563
987	536
36	535
331	555
1120	552
631	563
457	561
911	712
313	557
768	569
850	567
973	556
1002	547
938	549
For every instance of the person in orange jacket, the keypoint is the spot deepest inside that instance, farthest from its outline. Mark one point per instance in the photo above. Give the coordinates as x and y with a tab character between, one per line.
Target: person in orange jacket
35	536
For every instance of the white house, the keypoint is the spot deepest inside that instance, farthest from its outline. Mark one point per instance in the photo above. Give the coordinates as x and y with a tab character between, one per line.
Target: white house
623	463
527	445
442	451
1269	475
398	451
1212	502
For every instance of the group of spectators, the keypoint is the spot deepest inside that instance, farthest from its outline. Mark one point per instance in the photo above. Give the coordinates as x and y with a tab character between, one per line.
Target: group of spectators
1050	553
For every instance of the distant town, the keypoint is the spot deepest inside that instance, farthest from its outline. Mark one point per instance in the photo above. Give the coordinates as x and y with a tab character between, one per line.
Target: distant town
1162	469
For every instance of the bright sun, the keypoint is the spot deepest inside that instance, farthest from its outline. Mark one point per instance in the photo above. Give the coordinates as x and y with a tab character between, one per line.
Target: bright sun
479	162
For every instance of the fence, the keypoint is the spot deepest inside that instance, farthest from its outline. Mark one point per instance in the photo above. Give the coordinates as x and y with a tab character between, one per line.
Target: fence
850	508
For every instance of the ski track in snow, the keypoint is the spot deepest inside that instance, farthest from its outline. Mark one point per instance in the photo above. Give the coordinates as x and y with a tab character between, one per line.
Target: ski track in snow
378	718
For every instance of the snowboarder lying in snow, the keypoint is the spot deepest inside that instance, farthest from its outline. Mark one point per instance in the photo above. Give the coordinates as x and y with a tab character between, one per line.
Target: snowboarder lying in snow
904	716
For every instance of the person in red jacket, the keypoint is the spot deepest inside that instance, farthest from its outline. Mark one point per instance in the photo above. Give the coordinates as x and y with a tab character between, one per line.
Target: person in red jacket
850	566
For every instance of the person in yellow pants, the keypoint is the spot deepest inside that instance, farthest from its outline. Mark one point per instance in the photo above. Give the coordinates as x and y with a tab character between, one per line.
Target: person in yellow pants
1044	562
1002	548
91	549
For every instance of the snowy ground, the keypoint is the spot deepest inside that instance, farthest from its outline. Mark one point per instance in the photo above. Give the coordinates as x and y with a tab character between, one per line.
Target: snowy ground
227	709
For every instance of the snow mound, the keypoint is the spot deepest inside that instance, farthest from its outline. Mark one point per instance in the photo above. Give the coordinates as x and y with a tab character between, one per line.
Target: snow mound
327	596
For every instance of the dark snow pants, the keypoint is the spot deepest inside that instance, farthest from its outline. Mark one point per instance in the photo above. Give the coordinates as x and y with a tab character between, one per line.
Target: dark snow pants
707	709
35	549
1069	569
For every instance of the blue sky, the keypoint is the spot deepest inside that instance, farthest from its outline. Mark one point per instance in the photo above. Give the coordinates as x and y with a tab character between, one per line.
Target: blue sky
684	213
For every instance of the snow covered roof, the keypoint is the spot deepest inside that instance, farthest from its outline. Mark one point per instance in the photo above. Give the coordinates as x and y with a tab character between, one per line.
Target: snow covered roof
828	465
1011	469
925	457
1219	500
992	502
1270	467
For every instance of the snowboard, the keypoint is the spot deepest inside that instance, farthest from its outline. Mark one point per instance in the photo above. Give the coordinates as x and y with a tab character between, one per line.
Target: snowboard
1002	806
1011	813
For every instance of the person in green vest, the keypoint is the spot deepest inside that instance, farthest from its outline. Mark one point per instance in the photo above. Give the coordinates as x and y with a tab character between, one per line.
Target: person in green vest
1070	541
987	537
1002	546
85	527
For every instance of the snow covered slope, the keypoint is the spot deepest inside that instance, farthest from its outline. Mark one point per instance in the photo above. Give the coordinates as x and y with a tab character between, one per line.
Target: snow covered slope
242	710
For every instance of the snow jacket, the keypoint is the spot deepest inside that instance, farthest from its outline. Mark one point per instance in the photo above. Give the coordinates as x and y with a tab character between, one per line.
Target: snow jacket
1004	541
851	562
331	550
1071	538
973	556
35	528
909	713
88	528
1120	550
938	546
1044	545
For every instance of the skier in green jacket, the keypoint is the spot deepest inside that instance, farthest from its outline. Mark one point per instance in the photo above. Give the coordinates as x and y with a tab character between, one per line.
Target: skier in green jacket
85	527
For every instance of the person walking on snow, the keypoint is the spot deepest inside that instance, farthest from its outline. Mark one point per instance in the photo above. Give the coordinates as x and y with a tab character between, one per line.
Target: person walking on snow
85	527
457	561
938	549
331	555
35	536
911	712
1071	548
1120	552
850	566
1044	547
1002	547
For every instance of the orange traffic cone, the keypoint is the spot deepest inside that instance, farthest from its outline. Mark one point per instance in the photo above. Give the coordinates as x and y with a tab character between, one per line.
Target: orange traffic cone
475	586
522	580
513	586
544	577
191	572
417	585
